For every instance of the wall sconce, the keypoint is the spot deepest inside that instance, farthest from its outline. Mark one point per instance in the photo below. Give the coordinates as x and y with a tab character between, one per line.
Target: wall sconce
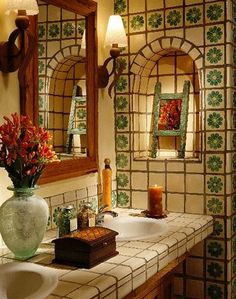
13	58
116	38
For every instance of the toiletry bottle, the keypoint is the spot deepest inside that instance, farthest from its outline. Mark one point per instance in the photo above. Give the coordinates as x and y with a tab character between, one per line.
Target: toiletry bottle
107	182
86	216
67	220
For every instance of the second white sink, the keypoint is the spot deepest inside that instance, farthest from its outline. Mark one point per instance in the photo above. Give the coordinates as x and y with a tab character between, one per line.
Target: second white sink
135	228
26	281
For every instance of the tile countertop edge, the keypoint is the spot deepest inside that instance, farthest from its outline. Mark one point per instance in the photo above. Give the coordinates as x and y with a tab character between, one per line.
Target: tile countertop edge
136	263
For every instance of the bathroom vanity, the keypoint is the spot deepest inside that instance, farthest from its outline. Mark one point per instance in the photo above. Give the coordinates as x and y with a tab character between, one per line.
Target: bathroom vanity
142	269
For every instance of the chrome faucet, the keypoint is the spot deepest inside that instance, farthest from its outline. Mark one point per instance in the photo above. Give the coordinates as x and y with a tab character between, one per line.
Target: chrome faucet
101	212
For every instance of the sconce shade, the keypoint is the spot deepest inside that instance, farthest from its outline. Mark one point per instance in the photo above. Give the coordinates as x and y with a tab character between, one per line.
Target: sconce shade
115	34
30	6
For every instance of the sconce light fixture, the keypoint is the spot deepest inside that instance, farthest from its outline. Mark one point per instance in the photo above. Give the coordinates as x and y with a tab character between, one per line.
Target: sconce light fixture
116	38
12	57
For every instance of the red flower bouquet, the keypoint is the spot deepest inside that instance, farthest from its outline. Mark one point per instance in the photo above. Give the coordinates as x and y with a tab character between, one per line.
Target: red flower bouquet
170	115
24	150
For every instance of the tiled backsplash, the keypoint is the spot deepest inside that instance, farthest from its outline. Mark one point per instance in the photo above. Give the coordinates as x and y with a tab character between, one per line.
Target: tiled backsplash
92	194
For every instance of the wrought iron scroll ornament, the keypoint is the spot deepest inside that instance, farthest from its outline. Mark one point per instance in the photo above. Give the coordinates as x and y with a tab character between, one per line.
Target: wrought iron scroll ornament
13	58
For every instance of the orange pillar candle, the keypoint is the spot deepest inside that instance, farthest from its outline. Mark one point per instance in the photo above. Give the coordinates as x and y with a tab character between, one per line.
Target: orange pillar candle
155	200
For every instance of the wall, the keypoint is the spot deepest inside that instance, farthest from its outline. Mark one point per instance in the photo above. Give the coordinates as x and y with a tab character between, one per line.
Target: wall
202	185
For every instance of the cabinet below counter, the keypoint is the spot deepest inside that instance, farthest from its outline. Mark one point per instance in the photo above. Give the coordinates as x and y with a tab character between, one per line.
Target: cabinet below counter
139	263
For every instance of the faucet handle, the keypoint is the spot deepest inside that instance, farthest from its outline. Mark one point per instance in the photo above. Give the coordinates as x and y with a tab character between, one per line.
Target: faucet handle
101	209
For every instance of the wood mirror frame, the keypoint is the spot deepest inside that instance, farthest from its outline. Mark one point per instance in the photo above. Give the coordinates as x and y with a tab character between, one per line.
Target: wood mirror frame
29	94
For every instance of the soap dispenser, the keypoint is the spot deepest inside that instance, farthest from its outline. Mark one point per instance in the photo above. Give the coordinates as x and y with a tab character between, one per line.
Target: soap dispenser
107	185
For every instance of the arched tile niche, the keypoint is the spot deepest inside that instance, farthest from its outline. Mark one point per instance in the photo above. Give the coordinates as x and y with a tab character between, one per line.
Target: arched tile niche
170	61
64	72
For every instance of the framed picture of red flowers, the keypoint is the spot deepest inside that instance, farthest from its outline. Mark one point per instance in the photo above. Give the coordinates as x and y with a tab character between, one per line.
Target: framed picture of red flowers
170	116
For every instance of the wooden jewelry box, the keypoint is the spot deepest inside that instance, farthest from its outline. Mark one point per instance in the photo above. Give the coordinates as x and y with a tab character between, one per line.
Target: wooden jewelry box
86	247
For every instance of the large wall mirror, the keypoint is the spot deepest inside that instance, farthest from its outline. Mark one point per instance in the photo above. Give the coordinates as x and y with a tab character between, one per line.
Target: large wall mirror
62	96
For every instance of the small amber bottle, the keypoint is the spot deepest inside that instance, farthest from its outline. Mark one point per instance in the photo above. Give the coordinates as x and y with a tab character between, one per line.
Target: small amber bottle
107	185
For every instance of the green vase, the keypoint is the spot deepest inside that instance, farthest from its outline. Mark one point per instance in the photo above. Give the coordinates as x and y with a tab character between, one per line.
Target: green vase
23	222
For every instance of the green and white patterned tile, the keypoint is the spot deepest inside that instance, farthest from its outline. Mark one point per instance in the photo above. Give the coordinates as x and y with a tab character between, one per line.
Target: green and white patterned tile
114	199
214	78
214	55
122	122
94	203
55	215
234	203
123	199
137	23
215	249
219	228
80	28
122	103
122	84
122	142
120	7
123	180
215	290
214	184
41	84
174	18
68	29
215	141
42	102
215	99
214	270
214	12
41	49
122	161
234	267
54	30
233	287
234	12
41	120
234	162
42	31
234	141
215	120
234	182
215	205
234	34
41	67
194	15
234	245
155	20
215	163
214	34
234	224
122	62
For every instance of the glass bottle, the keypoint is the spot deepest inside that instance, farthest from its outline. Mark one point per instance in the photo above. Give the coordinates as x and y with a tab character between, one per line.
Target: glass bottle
67	220
86	216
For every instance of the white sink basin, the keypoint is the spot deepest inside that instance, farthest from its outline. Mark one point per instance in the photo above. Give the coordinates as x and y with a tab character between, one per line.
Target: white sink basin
26	281
135	228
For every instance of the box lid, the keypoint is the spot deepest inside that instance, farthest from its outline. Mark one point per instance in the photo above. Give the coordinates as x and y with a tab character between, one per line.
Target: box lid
91	236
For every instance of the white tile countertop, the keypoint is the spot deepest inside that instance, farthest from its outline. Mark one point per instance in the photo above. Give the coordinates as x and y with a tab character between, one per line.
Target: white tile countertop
136	262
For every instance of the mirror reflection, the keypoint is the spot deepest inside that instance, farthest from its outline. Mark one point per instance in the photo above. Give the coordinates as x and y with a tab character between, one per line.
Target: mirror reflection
62	79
